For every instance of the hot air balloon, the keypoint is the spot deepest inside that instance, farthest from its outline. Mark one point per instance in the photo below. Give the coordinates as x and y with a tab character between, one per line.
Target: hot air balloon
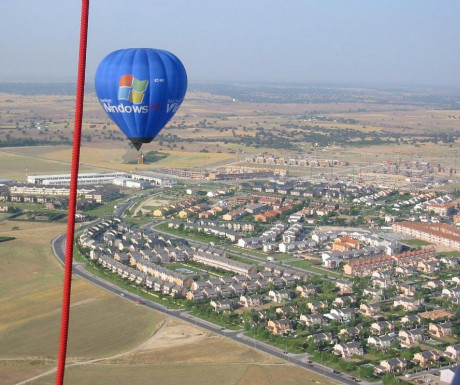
141	89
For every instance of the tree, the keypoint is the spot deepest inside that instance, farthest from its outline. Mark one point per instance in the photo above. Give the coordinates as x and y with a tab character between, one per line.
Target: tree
366	371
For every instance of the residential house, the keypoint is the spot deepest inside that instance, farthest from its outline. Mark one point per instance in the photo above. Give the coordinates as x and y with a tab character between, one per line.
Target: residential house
312	319
286	310
392	365
441	330
381	343
315	306
348	349
344	286
382	327
319	338
428	267
223	305
411	337
453	352
370	309
408	304
346	300
434	284
341	315
306	290
279	295
211	292
453	292
351	332
411	320
426	357
237	288
406	289
251	300
375	294
280	327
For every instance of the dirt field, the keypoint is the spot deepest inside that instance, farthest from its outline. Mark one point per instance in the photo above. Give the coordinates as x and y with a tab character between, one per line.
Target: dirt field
201	374
30	300
180	353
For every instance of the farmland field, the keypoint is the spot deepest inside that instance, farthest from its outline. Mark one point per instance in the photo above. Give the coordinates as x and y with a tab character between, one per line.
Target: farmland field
214	129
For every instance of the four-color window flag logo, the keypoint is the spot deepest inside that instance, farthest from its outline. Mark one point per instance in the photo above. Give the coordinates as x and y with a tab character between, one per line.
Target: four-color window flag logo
132	89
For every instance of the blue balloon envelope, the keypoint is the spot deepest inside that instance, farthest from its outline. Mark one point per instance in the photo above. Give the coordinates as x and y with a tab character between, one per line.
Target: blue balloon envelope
141	89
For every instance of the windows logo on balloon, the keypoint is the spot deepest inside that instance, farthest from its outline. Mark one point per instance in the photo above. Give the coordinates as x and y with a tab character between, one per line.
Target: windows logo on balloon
132	89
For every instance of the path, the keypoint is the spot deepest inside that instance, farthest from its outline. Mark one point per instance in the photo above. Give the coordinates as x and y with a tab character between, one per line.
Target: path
80	363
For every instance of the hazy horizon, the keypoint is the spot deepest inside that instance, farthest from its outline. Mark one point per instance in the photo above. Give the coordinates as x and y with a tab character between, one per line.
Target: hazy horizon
355	43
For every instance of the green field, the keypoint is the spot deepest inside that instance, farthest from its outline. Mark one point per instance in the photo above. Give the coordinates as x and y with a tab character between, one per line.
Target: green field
189	235
450	254
314	266
415	242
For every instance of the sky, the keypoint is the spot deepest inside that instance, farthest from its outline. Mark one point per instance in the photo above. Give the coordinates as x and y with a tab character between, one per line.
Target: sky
374	42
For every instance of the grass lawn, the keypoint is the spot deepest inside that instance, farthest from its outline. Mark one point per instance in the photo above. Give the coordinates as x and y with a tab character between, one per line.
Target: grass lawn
242	259
415	242
139	221
312	266
450	254
281	256
192	236
176	266
103	210
37	207
260	254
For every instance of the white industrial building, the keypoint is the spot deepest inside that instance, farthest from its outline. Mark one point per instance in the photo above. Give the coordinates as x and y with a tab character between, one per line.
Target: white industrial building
131	183
83	178
447	375
155	179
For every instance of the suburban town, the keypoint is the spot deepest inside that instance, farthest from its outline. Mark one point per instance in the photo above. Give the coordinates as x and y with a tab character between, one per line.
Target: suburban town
361	278
230	192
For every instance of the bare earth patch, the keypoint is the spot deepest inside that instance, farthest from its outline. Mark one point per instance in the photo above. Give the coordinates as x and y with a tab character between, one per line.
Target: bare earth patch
170	336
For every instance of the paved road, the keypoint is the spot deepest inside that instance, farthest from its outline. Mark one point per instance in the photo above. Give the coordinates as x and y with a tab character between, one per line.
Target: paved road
58	246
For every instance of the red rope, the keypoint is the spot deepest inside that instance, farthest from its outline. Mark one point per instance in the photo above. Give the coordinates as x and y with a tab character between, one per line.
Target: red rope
73	194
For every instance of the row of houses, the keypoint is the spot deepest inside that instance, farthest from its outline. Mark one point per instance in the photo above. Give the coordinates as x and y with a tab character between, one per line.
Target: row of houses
438	233
366	267
174	207
295	161
268	237
115	244
216	231
336	191
29	193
